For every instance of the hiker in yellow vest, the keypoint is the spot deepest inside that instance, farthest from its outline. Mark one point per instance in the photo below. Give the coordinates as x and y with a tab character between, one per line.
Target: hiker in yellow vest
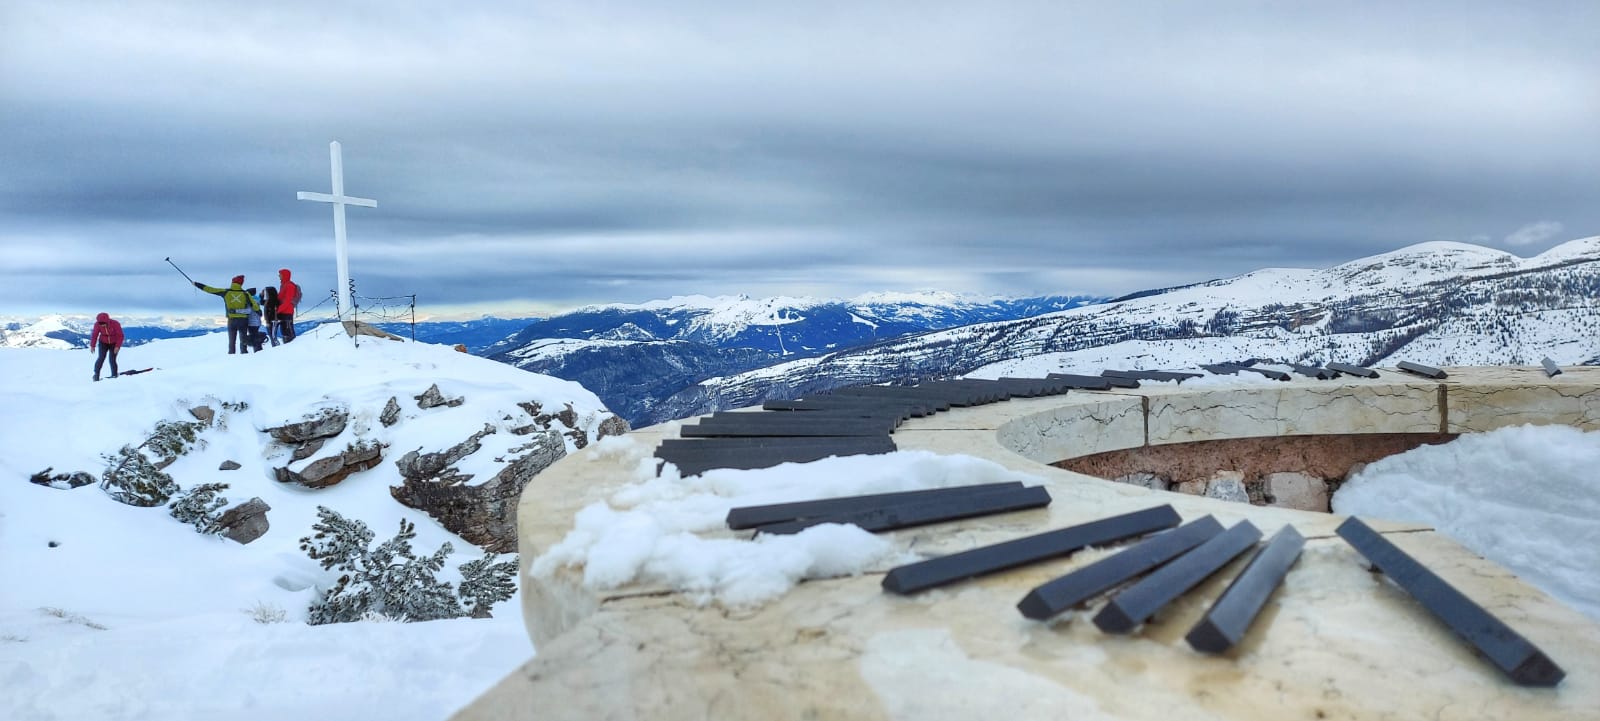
238	302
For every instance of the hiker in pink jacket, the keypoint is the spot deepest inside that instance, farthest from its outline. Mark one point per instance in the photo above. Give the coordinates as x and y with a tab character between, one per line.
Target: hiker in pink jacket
107	339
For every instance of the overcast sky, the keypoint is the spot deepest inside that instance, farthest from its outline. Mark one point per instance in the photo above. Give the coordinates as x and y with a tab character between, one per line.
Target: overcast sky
537	156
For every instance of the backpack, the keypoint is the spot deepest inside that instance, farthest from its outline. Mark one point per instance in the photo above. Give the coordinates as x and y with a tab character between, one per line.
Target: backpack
235	300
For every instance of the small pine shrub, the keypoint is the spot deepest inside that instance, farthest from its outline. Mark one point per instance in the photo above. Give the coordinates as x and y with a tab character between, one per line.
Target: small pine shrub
131	478
171	439
200	507
485	583
406	583
391	581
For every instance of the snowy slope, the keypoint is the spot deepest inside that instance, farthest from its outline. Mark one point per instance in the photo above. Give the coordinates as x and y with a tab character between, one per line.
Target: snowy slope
115	611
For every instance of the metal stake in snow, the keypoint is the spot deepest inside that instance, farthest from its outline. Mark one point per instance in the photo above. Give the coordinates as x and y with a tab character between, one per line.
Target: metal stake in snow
339	200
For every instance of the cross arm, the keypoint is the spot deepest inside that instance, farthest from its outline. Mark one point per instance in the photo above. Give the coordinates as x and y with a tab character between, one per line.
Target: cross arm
326	198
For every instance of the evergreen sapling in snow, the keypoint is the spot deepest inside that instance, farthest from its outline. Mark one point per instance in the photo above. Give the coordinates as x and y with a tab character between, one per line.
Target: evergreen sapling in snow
171	439
405	585
200	507
391	580
131	478
485	583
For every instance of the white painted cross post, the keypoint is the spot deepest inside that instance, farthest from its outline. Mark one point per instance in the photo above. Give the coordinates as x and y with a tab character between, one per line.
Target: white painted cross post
339	200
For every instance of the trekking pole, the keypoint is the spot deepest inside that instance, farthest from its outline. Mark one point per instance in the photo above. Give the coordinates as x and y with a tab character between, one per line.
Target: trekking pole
180	270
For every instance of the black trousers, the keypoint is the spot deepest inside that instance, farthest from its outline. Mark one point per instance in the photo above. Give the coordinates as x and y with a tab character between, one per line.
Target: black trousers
106	349
239	333
286	325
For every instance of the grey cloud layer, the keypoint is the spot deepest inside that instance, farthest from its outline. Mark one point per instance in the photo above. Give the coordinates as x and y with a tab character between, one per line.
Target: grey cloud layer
566	154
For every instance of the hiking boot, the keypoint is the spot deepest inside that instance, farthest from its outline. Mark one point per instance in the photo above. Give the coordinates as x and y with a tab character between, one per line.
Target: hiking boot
97	379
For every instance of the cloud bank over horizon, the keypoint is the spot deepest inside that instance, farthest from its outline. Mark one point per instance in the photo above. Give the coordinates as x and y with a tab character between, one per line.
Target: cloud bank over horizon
565	154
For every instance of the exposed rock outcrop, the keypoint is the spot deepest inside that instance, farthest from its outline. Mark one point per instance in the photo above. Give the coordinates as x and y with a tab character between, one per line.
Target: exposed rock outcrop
329	471
391	413
612	426
327	423
433	398
308	436
245	522
483	514
307	449
63	481
428	465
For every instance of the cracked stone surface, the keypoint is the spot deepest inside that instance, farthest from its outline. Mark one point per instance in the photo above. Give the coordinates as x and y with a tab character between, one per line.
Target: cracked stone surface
1086	424
1509	398
1295	408
1335	642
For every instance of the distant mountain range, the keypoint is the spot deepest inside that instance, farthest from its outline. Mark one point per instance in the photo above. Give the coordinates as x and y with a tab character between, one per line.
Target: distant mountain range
64	332
632	356
1436	303
477	335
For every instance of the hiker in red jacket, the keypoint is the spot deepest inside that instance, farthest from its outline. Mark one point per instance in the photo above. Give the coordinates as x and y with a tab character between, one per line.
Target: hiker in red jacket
106	338
288	298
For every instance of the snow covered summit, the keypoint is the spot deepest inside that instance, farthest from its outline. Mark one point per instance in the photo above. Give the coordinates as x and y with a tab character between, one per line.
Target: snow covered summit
96	589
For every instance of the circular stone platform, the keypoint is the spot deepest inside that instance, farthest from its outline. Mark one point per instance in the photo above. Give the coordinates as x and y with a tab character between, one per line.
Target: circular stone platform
1335	642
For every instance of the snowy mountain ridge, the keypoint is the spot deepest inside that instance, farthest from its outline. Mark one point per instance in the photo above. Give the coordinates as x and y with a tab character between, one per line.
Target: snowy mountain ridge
740	320
633	355
1436	303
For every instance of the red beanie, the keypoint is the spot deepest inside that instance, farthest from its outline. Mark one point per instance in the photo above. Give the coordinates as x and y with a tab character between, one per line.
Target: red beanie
238	279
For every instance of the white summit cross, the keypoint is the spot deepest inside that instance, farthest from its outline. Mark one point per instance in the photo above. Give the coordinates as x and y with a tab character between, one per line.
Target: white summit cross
339	200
